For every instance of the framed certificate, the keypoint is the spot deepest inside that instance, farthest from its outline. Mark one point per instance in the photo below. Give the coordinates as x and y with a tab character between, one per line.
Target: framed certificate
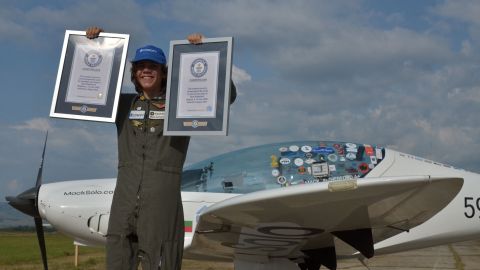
90	76
198	87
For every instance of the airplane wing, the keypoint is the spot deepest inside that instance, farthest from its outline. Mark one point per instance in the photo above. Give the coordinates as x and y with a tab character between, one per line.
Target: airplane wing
307	221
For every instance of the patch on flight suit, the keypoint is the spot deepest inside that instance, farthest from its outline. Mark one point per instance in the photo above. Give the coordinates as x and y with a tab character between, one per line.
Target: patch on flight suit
136	123
137	115
155	115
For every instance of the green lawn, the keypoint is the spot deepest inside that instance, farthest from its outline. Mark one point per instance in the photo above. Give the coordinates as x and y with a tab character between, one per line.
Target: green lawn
23	247
20	251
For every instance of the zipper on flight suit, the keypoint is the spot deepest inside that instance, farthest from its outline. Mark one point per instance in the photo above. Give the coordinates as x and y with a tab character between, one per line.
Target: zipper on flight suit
144	147
142	257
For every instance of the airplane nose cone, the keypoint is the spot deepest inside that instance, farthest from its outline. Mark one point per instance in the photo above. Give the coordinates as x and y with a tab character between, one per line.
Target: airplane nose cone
25	202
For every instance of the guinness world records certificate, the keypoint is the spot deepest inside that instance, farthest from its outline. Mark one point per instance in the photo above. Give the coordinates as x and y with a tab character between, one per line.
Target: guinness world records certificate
198	87
90	76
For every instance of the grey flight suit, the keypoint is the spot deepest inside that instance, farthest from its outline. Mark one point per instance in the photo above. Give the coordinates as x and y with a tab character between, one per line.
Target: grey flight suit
146	218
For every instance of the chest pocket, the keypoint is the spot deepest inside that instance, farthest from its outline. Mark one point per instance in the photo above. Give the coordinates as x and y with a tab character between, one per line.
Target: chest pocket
137	118
155	121
156	115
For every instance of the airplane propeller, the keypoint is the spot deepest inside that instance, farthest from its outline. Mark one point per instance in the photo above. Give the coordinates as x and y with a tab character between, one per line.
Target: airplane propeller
27	202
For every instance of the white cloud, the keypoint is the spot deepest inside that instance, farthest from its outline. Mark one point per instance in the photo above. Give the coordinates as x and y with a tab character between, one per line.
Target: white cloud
36	124
306	41
12	185
240	76
466	49
11	29
42	22
75	150
463	10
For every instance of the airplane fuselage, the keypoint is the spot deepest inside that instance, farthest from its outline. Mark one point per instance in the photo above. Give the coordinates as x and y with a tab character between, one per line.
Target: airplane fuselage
81	209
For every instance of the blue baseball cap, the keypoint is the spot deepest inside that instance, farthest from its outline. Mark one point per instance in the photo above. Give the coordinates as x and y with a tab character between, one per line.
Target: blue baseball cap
150	53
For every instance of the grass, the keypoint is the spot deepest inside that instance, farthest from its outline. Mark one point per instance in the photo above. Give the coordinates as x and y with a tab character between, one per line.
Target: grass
20	251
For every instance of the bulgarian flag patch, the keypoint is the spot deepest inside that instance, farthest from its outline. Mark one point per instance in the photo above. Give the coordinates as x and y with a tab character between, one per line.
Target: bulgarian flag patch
188	225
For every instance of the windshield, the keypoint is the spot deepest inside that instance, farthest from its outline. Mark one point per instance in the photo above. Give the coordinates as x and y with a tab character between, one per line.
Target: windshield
281	165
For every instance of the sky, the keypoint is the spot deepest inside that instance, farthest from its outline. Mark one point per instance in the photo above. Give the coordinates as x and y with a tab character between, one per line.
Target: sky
400	74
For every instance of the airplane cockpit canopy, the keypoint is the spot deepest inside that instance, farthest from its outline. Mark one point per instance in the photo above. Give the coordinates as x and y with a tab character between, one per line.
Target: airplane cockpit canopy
281	165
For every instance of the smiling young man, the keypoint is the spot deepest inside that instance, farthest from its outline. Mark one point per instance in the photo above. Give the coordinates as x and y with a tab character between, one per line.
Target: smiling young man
149	75
146	224
146	218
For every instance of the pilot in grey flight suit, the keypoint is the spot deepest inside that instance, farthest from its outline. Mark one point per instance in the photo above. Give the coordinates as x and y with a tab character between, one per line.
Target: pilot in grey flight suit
146	219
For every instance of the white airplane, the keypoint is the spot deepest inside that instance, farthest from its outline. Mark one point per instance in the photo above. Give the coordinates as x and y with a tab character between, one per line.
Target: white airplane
295	205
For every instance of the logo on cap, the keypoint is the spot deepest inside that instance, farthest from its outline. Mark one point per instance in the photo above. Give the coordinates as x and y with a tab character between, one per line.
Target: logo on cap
147	50
150	53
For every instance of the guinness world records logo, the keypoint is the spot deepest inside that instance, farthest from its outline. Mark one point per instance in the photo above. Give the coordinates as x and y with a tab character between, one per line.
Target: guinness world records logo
93	58
194	124
199	67
83	109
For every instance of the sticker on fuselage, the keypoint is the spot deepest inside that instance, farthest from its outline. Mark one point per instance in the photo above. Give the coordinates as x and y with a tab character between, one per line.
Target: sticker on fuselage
303	163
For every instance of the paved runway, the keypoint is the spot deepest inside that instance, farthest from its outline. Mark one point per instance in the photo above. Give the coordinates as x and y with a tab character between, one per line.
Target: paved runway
459	256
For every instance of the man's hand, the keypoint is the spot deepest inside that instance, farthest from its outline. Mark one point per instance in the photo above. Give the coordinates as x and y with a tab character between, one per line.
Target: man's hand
195	38
93	32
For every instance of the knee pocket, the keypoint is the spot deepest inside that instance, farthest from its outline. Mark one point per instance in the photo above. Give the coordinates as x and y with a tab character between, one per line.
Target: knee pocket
121	252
